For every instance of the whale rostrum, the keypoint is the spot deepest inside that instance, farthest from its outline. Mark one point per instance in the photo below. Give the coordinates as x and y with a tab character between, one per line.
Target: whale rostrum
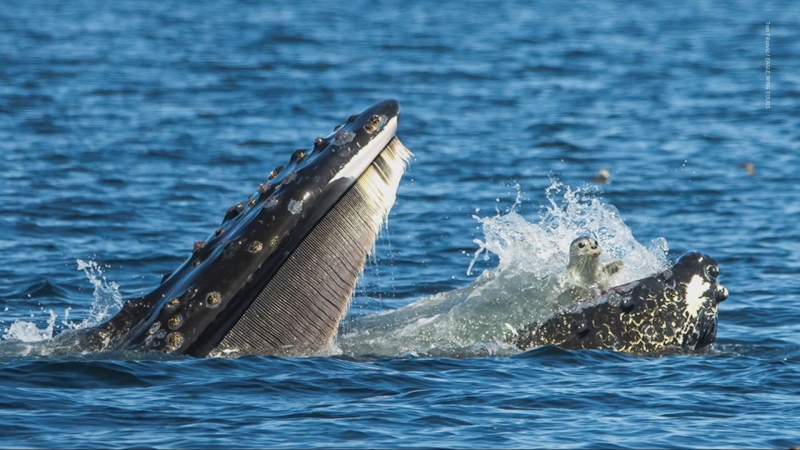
278	273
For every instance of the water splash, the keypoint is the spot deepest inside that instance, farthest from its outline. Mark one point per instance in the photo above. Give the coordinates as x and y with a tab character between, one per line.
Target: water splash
24	331
107	298
23	338
524	288
543	247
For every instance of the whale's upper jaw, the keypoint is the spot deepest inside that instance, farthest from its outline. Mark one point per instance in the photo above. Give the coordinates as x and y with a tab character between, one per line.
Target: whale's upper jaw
672	310
681	306
277	274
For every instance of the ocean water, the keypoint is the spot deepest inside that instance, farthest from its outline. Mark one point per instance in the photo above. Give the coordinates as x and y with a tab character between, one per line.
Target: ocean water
127	129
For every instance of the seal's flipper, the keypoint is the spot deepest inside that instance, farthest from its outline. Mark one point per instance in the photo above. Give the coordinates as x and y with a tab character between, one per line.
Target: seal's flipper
613	267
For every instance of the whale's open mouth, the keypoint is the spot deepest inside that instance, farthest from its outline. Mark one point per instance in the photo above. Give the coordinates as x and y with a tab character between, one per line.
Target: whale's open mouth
277	274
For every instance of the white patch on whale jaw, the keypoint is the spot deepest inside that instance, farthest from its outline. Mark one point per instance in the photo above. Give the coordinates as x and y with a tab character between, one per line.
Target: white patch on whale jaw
695	295
366	155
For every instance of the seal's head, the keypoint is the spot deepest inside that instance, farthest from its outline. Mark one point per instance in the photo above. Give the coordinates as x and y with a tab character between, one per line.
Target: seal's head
584	260
583	247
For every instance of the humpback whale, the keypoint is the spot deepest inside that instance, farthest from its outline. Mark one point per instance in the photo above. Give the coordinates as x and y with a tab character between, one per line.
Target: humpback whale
278	273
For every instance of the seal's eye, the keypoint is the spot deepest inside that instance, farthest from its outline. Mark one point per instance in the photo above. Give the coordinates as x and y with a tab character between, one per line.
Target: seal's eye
711	273
581	245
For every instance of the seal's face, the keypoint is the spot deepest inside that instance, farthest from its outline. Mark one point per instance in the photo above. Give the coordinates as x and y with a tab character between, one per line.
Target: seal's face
584	257
584	247
675	309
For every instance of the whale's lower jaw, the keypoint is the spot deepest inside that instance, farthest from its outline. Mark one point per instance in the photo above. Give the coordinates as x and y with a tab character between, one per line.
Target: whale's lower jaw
276	276
299	310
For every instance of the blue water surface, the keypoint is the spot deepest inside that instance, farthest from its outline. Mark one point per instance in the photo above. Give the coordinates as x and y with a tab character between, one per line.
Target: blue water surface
127	128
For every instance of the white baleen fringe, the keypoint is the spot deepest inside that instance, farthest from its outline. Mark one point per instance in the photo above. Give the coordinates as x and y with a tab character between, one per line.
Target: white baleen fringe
377	186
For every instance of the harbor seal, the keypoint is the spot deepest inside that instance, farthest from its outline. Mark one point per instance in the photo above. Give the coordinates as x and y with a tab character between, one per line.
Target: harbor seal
585	269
